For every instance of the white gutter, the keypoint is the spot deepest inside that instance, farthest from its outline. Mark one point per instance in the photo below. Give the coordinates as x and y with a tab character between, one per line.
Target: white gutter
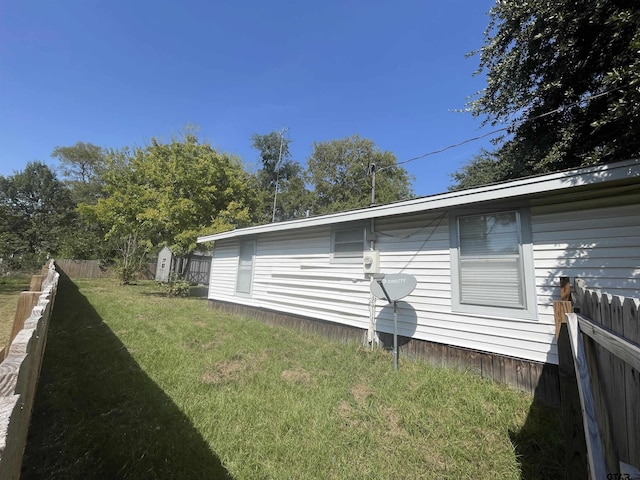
517	188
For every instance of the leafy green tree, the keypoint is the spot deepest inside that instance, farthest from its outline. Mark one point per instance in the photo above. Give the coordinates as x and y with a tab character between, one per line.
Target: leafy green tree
339	174
82	168
566	76
35	210
483	169
170	193
279	172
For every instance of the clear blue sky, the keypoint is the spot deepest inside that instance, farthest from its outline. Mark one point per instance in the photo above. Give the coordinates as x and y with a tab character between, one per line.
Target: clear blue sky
117	72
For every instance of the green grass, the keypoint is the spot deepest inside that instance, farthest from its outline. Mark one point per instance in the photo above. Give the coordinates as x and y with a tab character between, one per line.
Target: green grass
10	288
137	385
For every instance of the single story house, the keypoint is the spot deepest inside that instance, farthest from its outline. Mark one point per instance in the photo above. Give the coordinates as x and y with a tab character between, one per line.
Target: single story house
487	262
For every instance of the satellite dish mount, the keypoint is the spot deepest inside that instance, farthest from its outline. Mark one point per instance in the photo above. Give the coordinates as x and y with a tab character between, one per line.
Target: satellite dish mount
392	288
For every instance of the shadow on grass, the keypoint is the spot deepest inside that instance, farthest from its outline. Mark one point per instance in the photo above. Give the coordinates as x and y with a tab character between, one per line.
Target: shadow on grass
97	415
539	444
199	291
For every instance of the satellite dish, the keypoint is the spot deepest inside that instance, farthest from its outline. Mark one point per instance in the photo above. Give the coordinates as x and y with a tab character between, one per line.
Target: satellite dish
393	286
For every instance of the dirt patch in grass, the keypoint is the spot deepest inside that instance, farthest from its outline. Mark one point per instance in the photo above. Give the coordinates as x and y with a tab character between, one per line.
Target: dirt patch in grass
299	375
224	371
213	344
234	368
392	421
346	413
360	392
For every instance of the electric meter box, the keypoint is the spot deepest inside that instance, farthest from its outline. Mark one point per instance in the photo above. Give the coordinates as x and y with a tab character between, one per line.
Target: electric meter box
371	261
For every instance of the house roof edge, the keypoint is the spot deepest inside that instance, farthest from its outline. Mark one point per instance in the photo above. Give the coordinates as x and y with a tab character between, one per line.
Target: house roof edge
597	174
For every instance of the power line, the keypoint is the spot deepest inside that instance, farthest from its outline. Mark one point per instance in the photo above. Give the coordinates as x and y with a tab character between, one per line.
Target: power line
499	130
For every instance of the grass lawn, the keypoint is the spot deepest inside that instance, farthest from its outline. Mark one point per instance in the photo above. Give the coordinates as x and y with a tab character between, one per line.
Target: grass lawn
10	288
137	385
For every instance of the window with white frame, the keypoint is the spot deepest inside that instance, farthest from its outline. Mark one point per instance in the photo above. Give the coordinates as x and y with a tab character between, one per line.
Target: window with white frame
492	264
348	243
245	266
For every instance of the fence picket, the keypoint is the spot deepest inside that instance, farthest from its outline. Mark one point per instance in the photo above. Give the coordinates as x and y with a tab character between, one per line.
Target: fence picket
19	372
631	331
619	394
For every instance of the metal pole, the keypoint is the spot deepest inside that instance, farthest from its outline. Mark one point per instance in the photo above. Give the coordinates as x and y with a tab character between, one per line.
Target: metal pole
395	335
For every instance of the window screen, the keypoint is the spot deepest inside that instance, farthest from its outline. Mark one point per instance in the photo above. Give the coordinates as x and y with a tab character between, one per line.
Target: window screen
348	242
490	260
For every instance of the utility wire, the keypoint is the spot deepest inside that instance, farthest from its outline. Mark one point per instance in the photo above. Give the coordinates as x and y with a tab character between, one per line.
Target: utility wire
503	129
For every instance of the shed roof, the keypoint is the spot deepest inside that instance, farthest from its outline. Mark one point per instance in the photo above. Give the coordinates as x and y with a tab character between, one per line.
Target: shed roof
589	177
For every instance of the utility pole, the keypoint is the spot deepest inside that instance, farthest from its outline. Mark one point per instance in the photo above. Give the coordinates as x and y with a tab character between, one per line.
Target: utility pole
275	194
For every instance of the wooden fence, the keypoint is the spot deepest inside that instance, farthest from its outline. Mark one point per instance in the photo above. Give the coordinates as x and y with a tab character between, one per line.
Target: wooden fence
599	354
20	369
94	269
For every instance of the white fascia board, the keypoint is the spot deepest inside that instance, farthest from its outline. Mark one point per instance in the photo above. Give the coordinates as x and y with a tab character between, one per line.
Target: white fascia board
517	188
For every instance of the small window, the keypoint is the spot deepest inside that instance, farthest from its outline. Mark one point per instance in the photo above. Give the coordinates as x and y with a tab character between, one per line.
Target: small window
348	244
492	264
245	266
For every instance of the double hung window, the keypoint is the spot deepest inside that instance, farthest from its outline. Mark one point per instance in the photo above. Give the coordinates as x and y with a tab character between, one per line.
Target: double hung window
492	266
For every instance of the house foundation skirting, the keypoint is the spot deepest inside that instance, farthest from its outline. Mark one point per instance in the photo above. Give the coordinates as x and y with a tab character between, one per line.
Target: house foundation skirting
539	379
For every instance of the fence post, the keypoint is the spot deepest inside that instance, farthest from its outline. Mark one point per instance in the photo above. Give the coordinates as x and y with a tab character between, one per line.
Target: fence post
574	439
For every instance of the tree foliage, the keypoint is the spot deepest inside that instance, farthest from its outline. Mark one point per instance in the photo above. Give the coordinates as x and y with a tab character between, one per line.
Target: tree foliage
82	166
338	172
36	210
279	172
170	193
566	76
483	169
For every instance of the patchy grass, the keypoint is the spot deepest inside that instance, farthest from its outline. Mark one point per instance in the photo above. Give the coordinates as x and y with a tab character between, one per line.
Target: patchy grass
10	288
137	385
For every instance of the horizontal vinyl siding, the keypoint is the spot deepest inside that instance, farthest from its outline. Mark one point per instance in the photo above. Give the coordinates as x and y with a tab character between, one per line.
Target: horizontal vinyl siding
293	274
224	268
428	235
599	245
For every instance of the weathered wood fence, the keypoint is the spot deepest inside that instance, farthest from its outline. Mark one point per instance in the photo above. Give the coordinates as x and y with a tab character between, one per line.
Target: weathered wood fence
20	368
599	355
94	269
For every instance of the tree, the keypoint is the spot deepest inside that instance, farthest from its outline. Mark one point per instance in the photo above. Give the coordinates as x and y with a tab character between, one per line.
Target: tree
35	210
483	169
279	179
169	194
82	168
338	172
566	76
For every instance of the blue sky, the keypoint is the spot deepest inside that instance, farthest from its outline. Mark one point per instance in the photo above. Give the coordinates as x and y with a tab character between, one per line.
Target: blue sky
116	73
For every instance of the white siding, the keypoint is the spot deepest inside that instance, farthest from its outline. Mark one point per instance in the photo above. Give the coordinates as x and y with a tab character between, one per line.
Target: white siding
420	246
224	270
293	274
599	245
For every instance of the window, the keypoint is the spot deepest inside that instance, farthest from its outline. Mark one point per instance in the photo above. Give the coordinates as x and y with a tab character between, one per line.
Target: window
347	244
492	264
245	266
